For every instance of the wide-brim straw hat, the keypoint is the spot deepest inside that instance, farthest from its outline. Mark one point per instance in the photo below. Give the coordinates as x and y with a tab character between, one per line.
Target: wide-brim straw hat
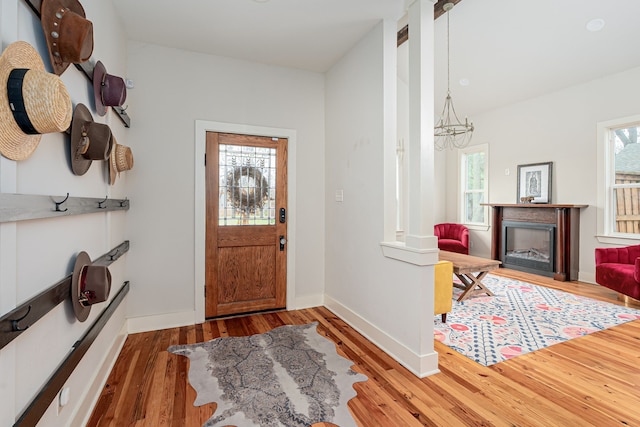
121	160
46	102
68	33
90	284
89	140
108	90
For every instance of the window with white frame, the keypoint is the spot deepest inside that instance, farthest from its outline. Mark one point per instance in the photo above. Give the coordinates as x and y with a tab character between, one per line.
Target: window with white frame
474	185
619	142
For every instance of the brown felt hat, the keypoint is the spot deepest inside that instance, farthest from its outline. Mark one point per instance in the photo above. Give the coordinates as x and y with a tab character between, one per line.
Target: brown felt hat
68	33
89	140
90	284
121	160
108	90
32	101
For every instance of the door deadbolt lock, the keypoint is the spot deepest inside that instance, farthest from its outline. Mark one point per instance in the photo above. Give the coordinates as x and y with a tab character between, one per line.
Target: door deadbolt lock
283	241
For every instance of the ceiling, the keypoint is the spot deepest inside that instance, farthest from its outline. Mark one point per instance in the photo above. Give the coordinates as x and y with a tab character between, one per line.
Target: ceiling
508	50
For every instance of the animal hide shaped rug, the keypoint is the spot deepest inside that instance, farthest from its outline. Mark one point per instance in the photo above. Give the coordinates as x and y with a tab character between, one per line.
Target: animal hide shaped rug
290	376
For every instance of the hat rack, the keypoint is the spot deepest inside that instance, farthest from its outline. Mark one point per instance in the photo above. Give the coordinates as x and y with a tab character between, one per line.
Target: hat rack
20	207
85	67
26	314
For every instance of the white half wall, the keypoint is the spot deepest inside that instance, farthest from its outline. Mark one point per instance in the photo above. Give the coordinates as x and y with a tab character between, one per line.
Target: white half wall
383	298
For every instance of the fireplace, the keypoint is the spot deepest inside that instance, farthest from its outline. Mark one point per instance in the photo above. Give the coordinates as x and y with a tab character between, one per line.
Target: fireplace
537	238
528	247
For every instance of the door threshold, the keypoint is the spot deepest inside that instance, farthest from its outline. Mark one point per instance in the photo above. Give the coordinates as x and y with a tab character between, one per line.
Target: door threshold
248	313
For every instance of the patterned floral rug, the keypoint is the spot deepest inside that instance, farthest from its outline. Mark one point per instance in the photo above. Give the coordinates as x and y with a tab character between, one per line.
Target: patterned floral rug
290	376
521	318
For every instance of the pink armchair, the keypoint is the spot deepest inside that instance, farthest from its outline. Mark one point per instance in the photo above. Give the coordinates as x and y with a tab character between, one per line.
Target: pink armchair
452	237
619	269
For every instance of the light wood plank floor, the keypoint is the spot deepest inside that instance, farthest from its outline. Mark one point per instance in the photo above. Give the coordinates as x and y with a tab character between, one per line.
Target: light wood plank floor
589	381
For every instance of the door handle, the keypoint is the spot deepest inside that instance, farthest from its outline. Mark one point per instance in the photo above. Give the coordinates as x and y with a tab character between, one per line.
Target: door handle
283	241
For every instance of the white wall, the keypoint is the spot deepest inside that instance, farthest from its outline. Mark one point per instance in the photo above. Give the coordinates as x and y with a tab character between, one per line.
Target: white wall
558	127
175	88
36	254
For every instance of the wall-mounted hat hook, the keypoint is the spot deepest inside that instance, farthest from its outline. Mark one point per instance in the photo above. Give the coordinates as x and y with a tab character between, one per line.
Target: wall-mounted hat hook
59	203
124	202
112	255
16	326
100	203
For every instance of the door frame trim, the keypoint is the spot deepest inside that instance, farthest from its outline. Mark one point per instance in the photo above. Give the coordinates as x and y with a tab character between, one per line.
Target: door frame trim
201	129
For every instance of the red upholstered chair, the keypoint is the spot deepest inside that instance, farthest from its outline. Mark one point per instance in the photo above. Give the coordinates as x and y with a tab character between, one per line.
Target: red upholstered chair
619	269
452	237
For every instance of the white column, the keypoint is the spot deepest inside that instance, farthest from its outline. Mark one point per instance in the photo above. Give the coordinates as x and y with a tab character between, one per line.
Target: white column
390	128
421	246
421	122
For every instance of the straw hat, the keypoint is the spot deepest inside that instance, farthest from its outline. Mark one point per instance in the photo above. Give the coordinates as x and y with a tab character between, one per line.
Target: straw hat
121	160
68	33
108	90
90	284
89	140
34	101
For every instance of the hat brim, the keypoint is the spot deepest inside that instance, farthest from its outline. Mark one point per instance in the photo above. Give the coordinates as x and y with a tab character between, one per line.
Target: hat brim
81	115
98	74
113	167
81	312
14	143
48	9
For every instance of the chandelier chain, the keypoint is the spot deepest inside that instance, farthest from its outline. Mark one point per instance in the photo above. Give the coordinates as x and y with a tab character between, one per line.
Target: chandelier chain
448	57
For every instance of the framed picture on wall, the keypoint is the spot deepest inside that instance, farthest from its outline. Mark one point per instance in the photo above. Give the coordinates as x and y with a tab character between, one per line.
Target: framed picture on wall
534	183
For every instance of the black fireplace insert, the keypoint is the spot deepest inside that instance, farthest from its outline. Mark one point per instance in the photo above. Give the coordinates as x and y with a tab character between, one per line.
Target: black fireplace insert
529	247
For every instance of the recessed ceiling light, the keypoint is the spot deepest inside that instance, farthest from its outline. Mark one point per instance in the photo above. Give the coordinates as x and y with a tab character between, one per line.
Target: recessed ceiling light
464	81
595	24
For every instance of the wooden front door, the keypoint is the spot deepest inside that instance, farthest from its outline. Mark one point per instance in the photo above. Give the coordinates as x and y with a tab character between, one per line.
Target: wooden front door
246	230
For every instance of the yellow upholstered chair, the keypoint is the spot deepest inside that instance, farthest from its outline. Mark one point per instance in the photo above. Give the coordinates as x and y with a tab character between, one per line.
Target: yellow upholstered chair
443	289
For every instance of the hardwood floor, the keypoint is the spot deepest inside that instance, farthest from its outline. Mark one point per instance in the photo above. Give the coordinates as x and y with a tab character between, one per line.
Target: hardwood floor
589	381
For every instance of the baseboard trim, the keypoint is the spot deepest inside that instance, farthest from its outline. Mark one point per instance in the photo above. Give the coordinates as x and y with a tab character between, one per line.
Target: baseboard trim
308	302
587	277
188	318
420	365
161	321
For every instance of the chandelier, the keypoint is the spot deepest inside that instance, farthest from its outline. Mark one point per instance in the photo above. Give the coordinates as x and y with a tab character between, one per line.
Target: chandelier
450	132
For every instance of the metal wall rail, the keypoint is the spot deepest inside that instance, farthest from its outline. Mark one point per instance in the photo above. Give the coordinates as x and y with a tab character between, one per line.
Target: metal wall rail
47	394
22	317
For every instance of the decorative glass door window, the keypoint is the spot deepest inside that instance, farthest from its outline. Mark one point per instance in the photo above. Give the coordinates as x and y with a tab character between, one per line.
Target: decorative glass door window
247	185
